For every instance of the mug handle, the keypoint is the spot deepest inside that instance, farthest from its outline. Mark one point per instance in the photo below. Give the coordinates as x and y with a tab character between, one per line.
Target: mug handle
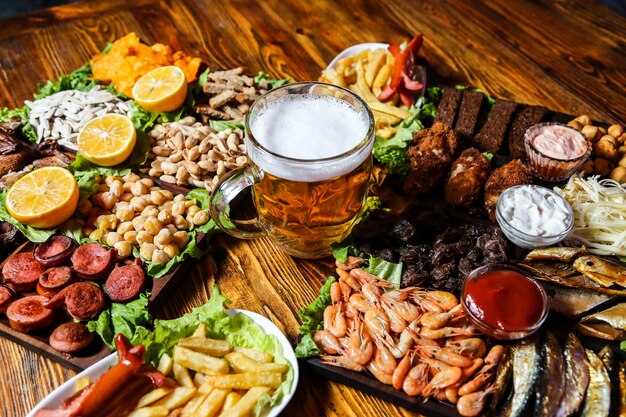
225	191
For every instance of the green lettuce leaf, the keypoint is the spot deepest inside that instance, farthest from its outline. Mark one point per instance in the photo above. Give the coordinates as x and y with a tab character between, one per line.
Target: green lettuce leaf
372	203
220	125
313	320
131	319
86	172
22	113
386	270
79	79
623	345
272	82
31	233
345	248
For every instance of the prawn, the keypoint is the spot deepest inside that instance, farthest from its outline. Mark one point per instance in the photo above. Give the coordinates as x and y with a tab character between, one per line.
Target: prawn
442	380
350	263
365	277
445	332
486	373
379	374
416	380
334	320
342	362
359	303
401	371
377	324
327	342
335	293
472	347
439	320
471	405
384	360
435	301
346	289
445	356
360	347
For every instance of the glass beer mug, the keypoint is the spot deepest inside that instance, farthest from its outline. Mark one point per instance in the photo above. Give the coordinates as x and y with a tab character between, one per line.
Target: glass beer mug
309	146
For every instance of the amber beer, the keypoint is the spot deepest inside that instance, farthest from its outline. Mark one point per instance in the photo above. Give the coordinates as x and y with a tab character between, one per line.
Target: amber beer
310	148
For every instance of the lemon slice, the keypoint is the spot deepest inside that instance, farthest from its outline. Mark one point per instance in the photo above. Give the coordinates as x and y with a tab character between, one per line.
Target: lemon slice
43	198
163	89
107	140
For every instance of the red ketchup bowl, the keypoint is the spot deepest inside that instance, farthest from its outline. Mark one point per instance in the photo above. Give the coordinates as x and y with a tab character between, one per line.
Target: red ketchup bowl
503	302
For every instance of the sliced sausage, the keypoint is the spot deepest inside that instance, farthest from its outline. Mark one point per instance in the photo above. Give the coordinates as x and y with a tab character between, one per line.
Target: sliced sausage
82	300
46	292
125	283
6	296
70	337
56	277
93	261
22	271
29	313
55	251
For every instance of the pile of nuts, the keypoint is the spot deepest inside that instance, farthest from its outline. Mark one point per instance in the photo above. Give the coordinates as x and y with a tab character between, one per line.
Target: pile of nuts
608	156
188	152
128	211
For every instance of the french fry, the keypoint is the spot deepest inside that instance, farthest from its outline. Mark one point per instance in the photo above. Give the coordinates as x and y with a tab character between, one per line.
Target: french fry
349	75
153	396
174	413
82	382
242	363
245	381
255	354
200	331
332	76
387	109
165	364
366	93
385	133
376	91
199	362
247	403
178	397
374	65
194	403
383	75
361	56
231	400
212	347
150	412
212	403
181	374
198	379
390	59
384	119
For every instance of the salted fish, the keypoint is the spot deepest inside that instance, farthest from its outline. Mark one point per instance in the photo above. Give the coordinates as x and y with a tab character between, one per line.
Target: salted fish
551	381
576	377
598	397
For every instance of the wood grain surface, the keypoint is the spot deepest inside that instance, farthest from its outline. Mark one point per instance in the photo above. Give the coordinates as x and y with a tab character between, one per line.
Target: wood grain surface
566	55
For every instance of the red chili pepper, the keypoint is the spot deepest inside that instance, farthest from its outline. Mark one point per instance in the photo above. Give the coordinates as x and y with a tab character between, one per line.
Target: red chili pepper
402	73
399	65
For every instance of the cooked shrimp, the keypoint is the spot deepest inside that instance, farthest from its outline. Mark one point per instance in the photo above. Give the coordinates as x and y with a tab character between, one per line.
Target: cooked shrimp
403	368
384	377
439	320
452	393
360	347
364	277
334	321
434	365
343	362
443	355
396	322
443	379
416	380
445	332
326	341
372	293
335	292
472	347
377	325
346	289
350	263
384	359
486	373
471	405
359	302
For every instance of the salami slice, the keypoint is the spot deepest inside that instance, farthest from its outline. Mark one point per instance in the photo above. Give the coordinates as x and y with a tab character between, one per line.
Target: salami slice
29	313
70	337
93	261
82	300
6	296
55	251
125	283
22	271
56	277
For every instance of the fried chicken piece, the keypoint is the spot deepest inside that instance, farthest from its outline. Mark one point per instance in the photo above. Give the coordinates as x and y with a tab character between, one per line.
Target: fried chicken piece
431	156
467	178
507	176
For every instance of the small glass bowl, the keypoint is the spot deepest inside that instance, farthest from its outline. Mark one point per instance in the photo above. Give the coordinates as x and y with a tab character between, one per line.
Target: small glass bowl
496	332
548	168
523	239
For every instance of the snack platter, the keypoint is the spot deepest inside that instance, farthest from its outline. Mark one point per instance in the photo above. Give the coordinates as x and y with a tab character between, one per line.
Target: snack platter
410	266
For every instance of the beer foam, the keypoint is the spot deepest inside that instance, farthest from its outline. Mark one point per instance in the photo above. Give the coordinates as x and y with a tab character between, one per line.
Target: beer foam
309	127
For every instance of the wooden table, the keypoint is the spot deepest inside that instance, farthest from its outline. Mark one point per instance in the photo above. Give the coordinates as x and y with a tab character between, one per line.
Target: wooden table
568	56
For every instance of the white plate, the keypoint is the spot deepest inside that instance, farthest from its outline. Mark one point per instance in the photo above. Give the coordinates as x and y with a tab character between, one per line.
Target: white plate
56	397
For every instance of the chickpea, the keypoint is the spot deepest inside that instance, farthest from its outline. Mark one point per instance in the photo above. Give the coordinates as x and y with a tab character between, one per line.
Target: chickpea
125	213
171	250
113	237
200	218
172	228
165	217
150	211
619	174
124	227
96	234
146	250
192	202
601	167
102	188
132	177
138	189
152	225
189	220
180	222
116	188
124	249
583	119
192	210
127	186
144	237
138	223
126	197
84	208
167	205
160	257
178	209
157	198
138	203
169	196
147	182
615	131
163	238
131	236
106	222
109	179
180	239
180	197
105	200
